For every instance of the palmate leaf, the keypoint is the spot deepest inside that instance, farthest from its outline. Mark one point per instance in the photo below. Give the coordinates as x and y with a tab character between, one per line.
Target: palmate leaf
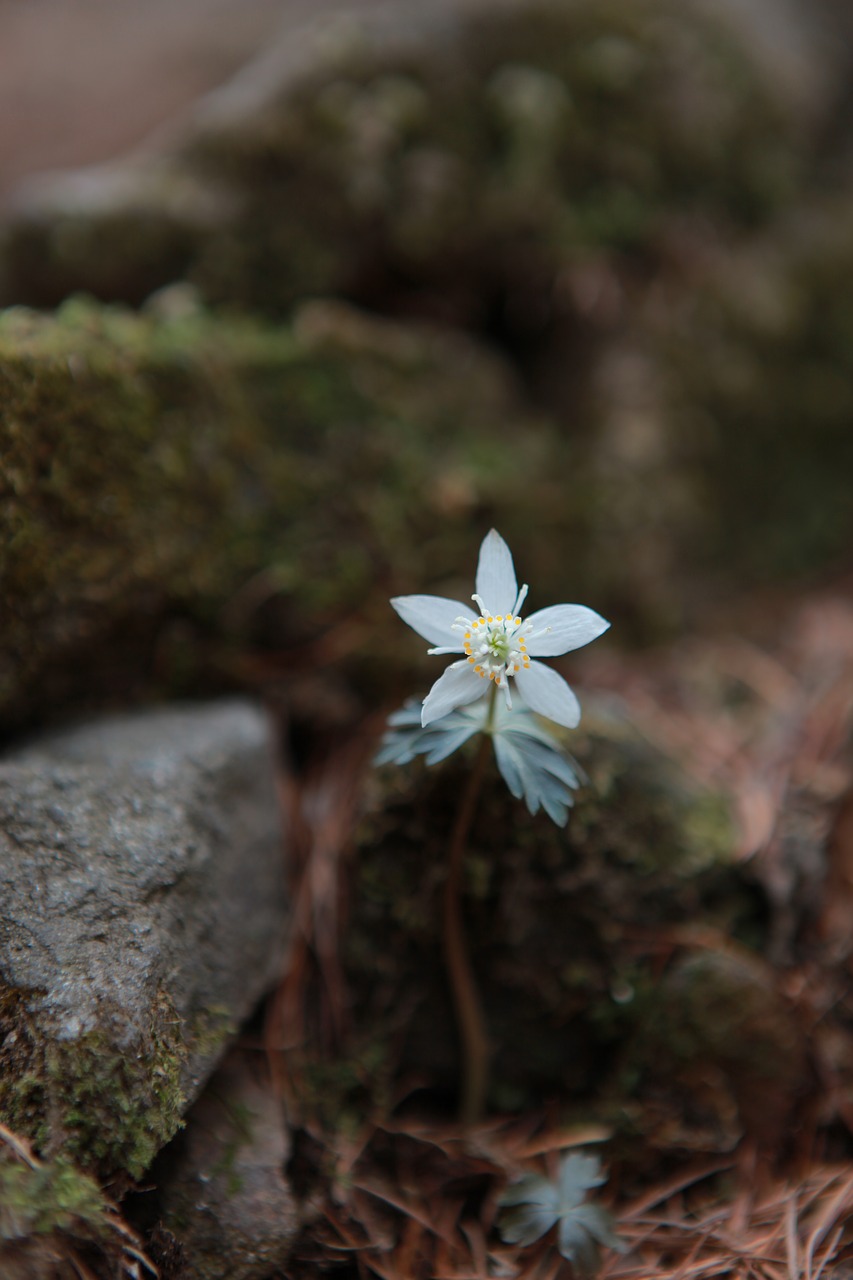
532	762
533	1205
534	766
404	739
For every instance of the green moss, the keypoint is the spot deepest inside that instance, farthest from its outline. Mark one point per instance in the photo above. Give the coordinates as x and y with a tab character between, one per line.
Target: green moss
54	1197
719	1049
211	1030
242	483
641	813
761	408
108	1108
560	922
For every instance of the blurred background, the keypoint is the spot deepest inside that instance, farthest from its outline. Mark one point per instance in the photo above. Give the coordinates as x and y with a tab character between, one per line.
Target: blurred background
580	270
298	298
82	81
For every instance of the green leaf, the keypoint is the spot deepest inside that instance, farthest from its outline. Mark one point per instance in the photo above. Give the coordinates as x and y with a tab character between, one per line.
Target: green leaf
533	1205
534	766
532	762
526	1223
405	738
578	1174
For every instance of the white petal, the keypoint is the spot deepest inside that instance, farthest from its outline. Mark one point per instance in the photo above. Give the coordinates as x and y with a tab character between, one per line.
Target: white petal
496	583
458	685
563	627
548	694
432	617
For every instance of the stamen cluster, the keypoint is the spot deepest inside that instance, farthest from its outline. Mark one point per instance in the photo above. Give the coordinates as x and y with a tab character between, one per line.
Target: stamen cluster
495	644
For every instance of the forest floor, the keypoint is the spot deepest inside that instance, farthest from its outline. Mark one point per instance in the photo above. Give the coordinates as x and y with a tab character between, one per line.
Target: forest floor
408	1193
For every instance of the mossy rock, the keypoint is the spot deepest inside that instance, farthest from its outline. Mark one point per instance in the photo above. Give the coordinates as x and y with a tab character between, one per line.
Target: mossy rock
163	482
570	932
55	1222
133	943
46	1212
455	161
721	1053
82	1096
562	179
760	407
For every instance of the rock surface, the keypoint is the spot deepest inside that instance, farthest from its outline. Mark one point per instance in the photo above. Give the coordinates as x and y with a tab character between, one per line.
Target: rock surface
144	913
224	1194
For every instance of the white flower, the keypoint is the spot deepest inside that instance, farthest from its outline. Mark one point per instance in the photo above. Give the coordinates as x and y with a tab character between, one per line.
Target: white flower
498	644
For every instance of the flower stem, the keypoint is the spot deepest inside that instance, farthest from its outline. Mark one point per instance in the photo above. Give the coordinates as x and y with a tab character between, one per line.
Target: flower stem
469	1015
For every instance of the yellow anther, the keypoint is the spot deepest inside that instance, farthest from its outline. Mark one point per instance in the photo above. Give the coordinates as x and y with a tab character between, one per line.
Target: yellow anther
499	618
517	621
472	660
467	635
489	619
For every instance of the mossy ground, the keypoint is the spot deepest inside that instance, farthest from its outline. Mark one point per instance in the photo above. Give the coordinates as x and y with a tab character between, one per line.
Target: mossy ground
53	1197
565	927
107	1108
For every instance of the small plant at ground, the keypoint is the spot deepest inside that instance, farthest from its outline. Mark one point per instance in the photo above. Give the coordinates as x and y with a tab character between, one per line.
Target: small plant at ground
499	648
534	1205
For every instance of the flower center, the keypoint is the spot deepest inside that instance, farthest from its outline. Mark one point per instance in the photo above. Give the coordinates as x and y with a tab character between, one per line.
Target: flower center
495	645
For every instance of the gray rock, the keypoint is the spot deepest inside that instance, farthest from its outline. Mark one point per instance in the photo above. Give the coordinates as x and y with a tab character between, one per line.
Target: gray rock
225	1195
143	916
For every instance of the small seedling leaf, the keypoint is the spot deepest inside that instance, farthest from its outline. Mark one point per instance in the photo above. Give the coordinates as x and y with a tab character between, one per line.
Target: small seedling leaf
533	1205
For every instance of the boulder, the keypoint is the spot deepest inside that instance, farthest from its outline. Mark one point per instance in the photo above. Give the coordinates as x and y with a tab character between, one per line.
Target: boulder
222	1187
144	915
